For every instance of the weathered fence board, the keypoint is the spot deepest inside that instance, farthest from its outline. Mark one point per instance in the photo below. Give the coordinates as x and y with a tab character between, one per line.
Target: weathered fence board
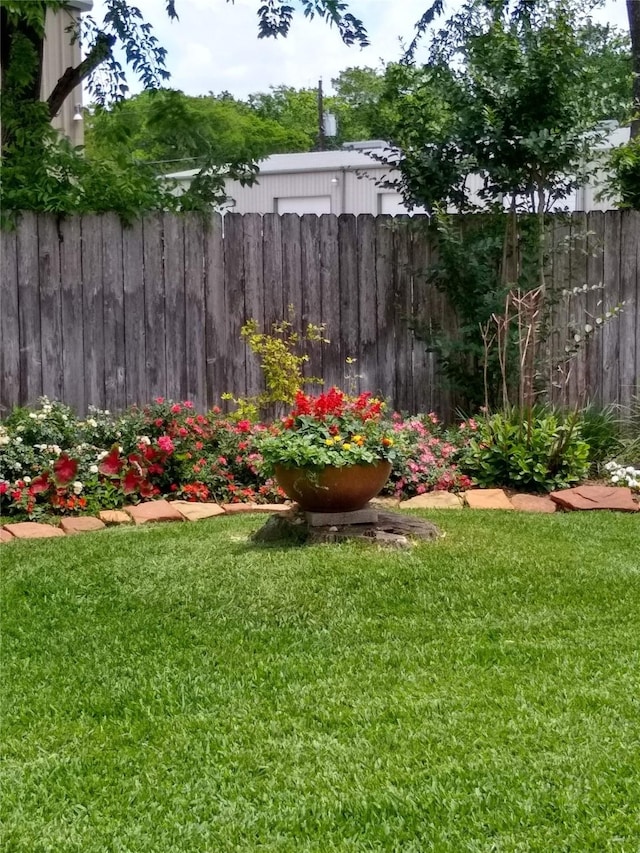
154	307
99	314
113	302
93	312
9	322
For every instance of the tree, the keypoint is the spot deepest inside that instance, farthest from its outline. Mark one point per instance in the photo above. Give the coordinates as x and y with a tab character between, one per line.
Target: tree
633	12
295	110
513	94
56	176
173	131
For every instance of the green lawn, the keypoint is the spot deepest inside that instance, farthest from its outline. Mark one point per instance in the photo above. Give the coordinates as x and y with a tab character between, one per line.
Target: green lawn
176	689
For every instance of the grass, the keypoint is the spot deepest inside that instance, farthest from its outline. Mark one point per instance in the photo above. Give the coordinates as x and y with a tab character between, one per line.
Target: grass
178	689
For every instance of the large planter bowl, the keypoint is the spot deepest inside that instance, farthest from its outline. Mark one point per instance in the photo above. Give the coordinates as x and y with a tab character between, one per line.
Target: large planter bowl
332	489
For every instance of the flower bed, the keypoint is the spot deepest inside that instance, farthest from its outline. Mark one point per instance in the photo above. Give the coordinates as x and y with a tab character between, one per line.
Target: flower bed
53	463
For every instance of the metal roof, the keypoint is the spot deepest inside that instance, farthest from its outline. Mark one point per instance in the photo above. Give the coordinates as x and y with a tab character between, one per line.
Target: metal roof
308	161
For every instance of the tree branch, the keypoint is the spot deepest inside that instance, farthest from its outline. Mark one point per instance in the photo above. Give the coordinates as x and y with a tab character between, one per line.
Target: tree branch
72	77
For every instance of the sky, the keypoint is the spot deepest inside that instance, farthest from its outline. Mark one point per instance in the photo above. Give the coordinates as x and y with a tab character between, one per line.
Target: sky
214	46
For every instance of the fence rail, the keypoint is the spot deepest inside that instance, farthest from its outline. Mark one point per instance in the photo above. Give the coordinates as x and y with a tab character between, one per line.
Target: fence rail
95	313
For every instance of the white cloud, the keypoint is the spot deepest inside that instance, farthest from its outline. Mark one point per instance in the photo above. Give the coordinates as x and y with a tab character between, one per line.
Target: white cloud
214	46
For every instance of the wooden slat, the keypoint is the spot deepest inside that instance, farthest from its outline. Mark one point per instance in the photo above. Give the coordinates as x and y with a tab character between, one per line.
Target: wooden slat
349	301
274	305
403	307
422	310
578	263
72	313
113	290
611	330
174	296
29	306
385	307
154	306
595	276
215	312
50	307
637	313
629	254
330	299
9	324
561	366
93	312
134	315
291	267
195	310
234	288
253	291
311	288
368	358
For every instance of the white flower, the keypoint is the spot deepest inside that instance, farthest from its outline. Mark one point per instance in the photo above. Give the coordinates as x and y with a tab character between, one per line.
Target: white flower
27	480
33	415
630	470
77	487
4	439
92	422
144	439
611	466
93	469
615	479
102	454
18	439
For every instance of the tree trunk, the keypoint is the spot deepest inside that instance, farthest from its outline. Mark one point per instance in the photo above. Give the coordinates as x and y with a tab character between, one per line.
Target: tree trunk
633	11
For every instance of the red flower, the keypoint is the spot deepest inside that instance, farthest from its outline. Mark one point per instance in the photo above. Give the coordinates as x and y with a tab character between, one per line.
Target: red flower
159	422
130	481
112	464
146	490
176	409
243	426
64	469
4	487
303	404
40	484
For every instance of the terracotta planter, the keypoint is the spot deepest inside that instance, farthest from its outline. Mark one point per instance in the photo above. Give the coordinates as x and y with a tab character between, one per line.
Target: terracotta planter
333	489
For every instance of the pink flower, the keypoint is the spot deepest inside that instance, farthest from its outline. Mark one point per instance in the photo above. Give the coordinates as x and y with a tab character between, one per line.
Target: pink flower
176	409
188	404
159	400
165	444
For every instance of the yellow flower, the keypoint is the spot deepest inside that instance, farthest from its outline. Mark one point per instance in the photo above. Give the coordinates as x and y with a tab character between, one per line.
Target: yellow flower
388	442
346	446
359	440
328	441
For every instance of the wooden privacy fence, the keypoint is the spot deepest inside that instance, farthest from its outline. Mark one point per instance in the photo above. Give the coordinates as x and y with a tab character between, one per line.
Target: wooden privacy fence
95	313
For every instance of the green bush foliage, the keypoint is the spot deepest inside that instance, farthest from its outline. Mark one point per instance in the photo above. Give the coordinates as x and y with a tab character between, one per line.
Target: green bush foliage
535	450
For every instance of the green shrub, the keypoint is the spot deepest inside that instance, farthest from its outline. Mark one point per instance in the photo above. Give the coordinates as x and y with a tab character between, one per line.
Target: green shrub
600	428
534	449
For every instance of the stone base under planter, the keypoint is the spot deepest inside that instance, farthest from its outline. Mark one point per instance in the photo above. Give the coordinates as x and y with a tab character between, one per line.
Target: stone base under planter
392	529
